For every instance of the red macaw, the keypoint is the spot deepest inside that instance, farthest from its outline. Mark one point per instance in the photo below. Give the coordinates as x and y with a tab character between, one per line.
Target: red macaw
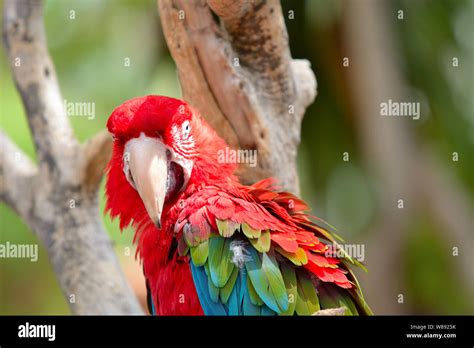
210	245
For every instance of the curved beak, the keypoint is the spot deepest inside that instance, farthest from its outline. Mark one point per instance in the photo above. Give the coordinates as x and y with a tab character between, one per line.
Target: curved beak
149	169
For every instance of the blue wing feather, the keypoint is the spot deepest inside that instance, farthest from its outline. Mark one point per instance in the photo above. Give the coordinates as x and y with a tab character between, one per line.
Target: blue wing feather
200	282
248	308
234	299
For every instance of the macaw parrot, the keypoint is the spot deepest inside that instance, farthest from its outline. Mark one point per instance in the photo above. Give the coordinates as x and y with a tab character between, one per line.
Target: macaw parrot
210	245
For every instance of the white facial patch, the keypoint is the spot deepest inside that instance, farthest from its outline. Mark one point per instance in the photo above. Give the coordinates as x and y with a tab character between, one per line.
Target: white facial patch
186	129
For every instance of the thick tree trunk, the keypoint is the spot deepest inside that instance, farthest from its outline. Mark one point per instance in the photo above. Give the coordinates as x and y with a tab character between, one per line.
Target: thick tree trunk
236	69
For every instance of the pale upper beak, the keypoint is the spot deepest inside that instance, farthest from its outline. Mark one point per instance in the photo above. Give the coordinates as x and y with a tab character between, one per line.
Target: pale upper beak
148	165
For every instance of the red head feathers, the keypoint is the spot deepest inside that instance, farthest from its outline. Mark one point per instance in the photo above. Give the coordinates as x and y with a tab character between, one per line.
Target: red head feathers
162	147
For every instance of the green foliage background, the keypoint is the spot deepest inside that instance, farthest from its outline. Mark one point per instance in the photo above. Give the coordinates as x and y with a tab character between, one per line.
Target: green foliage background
89	53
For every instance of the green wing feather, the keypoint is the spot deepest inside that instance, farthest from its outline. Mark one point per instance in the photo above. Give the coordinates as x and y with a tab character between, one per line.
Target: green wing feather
200	252
229	286
331	296
220	260
358	297
254	298
289	277
267	280
213	291
275	279
307	302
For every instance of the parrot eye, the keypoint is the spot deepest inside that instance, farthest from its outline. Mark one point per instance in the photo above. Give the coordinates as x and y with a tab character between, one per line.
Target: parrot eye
186	129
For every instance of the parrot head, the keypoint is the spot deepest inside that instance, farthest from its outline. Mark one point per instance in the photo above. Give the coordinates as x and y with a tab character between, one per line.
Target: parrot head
162	147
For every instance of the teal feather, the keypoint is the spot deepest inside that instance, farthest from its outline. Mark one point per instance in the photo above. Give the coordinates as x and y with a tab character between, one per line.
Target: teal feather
234	299
201	284
265	311
259	280
248	308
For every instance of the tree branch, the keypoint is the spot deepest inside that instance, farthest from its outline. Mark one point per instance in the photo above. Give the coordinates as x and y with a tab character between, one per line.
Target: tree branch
239	74
258	36
18	177
59	203
35	78
331	311
97	152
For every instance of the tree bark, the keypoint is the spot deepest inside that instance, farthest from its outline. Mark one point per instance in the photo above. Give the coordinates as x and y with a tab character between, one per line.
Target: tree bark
235	67
58	198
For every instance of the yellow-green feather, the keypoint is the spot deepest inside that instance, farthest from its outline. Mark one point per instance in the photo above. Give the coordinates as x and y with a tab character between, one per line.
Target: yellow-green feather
200	253
249	231
226	228
220	260
289	277
307	302
262	244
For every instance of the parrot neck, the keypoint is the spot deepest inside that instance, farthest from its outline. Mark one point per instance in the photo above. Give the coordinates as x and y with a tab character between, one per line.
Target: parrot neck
208	170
